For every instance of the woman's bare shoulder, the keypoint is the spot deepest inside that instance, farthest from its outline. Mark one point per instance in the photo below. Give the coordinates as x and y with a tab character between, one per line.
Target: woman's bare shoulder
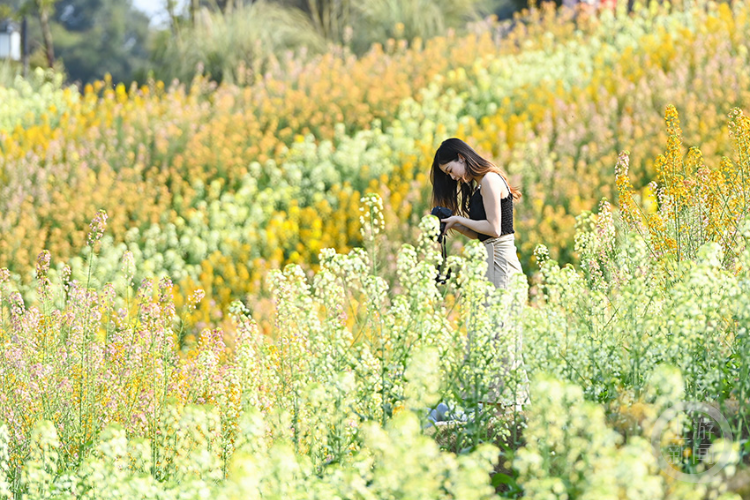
492	181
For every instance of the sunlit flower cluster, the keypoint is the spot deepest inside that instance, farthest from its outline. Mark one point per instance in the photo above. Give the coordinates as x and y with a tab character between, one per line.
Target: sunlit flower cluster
694	203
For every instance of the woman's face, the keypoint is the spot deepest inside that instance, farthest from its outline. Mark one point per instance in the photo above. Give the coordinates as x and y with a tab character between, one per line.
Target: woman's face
456	169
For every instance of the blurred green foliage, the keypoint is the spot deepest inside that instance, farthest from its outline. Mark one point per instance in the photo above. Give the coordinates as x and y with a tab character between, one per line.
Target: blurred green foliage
228	40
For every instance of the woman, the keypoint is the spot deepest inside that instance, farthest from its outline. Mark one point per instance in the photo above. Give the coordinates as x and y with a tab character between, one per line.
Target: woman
484	208
487	199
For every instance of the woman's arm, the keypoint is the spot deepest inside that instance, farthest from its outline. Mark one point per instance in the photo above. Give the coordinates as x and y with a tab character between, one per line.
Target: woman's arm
496	189
469	233
477	226
474	226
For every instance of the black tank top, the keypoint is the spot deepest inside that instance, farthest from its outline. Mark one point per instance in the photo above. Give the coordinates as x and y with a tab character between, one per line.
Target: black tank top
476	212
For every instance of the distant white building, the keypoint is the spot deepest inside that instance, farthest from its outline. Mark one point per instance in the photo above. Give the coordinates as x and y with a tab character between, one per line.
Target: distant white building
10	40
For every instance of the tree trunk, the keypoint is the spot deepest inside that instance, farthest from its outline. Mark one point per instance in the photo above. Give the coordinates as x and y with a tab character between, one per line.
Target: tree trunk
348	11
225	7
25	45
43	7
194	6
172	16
315	15
327	16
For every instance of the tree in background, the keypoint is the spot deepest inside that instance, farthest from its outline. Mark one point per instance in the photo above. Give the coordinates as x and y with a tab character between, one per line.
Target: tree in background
96	37
40	9
43	8
86	39
171	5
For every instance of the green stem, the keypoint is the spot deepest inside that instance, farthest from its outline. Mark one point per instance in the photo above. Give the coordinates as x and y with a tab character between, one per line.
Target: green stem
84	344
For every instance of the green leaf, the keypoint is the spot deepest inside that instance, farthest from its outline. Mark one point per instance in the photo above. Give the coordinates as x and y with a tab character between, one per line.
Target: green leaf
500	478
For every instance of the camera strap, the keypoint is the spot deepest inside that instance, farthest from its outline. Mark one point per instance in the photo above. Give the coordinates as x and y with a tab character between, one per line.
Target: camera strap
444	252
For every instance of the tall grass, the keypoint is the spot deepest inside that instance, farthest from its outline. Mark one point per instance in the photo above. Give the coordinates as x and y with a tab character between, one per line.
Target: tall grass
234	48
380	20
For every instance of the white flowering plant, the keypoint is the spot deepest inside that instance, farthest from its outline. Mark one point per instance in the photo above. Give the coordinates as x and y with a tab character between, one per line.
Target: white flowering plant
345	397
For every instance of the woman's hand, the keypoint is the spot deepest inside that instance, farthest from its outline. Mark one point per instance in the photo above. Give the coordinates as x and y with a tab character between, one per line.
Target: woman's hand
457	222
451	221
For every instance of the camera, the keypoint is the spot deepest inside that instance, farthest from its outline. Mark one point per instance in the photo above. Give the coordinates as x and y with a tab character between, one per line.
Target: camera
441	213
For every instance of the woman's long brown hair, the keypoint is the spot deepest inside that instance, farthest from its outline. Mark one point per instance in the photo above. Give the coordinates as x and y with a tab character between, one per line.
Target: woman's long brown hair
445	189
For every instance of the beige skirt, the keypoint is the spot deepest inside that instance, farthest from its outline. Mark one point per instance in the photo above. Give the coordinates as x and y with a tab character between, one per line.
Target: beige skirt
502	264
502	260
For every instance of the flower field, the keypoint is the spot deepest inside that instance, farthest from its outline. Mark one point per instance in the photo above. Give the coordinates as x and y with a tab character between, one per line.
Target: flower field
252	310
214	187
